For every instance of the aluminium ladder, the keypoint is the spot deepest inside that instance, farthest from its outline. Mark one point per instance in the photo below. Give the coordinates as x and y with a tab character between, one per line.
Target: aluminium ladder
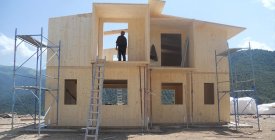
95	99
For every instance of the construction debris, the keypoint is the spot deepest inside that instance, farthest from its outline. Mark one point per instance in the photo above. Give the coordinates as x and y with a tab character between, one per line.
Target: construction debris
5	115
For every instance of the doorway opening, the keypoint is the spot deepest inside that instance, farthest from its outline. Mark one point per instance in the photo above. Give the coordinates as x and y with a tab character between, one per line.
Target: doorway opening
111	32
171	50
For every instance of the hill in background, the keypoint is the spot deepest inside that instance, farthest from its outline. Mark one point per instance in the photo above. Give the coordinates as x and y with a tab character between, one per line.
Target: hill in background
264	70
25	101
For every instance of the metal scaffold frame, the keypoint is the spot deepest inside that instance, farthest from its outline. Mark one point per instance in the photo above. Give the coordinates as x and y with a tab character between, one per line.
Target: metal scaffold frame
36	89
238	85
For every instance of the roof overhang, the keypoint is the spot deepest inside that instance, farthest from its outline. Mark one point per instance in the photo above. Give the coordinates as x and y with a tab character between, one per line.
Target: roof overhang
171	22
180	22
229	29
120	11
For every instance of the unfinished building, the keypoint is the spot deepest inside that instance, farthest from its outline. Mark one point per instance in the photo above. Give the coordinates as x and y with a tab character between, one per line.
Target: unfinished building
169	76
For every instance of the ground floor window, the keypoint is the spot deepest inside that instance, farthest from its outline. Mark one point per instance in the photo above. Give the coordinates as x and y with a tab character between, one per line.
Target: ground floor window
171	93
70	94
208	93
115	92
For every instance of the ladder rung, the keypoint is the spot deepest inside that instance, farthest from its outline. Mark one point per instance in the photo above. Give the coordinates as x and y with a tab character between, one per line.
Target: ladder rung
91	128
98	77
94	104
100	59
100	71
223	91
95	90
92	119
224	82
100	65
91	136
94	112
95	97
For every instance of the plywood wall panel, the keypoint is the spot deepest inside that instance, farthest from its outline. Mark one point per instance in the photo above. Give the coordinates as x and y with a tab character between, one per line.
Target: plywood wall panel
72	115
136	41
208	39
155	36
112	115
205	113
74	32
169	113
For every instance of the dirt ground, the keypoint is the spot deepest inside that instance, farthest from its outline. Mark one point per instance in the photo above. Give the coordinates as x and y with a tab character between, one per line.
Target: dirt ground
164	133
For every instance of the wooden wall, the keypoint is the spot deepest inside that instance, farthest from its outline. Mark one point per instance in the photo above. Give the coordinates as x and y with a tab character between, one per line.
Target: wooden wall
130	114
207	39
205	113
112	115
71	115
137	47
109	53
81	42
169	113
74	32
155	36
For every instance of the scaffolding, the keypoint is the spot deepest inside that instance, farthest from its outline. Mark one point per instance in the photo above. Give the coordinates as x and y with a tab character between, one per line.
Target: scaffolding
241	84
37	86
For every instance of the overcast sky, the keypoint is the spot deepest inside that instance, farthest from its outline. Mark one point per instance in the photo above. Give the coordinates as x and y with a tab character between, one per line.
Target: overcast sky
257	16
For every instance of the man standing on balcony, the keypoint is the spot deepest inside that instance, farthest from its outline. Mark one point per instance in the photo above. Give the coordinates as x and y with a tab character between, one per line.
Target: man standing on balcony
121	45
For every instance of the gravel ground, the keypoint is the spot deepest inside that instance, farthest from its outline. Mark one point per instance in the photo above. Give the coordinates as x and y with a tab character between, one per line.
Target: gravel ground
164	133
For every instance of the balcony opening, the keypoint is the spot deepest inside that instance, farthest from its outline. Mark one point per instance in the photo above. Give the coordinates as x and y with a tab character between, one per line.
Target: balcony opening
111	32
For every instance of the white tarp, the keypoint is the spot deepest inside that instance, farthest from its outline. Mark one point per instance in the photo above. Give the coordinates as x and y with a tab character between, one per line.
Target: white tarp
266	108
247	105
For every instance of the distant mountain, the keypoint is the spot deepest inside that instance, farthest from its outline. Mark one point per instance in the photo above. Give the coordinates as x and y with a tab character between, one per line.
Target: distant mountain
263	63
24	99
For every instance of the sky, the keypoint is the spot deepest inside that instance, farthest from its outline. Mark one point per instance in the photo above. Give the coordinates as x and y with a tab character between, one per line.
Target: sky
28	16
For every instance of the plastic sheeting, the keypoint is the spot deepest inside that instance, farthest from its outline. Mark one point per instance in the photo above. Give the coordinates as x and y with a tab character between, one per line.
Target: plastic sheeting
247	105
266	108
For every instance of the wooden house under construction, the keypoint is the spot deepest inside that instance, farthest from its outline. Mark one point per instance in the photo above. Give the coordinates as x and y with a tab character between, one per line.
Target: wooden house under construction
169	76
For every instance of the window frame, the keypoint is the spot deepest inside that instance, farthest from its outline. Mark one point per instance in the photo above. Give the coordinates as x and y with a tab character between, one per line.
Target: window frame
209	93
116	84
178	88
68	101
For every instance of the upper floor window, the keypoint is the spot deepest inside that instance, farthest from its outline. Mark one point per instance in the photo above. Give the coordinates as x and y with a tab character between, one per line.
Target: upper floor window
171	52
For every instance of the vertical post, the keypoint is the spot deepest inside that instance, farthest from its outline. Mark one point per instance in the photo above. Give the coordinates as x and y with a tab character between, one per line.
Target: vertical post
145	98
237	95
217	85
58	84
36	84
140	94
151	104
40	82
254	85
232	87
14	71
100	39
192	98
